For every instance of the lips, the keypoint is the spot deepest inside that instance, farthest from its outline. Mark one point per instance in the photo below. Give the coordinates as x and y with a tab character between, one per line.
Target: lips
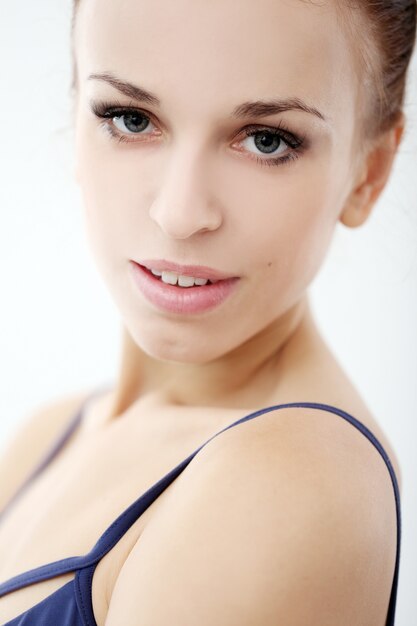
181	300
197	271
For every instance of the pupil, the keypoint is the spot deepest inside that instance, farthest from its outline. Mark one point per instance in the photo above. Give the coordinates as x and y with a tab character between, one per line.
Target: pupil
267	140
136	126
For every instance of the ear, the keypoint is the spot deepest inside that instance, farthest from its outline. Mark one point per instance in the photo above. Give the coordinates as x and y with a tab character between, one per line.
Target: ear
372	176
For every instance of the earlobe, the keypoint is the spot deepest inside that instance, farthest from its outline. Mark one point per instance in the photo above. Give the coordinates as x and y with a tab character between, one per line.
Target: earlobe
373	178
358	207
358	204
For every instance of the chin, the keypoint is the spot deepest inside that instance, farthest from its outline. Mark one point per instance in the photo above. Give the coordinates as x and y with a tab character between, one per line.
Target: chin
176	347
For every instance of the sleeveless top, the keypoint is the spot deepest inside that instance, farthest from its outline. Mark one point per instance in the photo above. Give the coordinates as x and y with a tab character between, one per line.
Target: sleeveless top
71	604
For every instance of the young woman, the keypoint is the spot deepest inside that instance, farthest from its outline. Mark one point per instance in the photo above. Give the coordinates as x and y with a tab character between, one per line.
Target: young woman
233	476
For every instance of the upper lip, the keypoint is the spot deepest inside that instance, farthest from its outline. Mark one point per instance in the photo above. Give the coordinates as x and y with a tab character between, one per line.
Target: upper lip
198	271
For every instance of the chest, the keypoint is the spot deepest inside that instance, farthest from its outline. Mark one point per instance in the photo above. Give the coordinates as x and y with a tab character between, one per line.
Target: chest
91	482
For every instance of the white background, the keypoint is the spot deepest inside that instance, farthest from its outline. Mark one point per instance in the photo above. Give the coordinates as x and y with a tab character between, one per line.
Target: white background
59	329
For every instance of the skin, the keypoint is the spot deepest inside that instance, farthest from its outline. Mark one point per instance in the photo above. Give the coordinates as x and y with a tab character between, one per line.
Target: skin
193	193
190	190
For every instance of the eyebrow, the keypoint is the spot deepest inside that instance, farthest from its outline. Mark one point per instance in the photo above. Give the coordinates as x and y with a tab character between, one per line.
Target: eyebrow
256	108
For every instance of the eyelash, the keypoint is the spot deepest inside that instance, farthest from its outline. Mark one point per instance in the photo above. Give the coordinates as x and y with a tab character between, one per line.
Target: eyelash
107	111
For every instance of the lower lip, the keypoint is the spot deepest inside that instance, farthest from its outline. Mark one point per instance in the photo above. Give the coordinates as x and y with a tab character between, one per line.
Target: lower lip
181	299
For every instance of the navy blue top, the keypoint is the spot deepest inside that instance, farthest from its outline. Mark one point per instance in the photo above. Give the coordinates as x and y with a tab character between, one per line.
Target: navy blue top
71	604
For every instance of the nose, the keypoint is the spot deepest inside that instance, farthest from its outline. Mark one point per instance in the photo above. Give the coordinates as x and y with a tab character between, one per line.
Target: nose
185	205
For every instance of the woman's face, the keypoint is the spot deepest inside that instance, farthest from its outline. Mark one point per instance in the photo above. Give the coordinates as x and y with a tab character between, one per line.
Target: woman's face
188	185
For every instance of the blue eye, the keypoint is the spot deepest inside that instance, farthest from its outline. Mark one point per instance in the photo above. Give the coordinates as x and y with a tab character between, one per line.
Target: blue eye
133	118
266	138
137	120
269	138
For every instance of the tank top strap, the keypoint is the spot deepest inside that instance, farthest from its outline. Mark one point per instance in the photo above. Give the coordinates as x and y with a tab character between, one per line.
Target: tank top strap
120	525
87	563
106	541
116	530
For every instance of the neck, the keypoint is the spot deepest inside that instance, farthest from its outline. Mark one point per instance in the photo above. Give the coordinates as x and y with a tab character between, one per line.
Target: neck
258	364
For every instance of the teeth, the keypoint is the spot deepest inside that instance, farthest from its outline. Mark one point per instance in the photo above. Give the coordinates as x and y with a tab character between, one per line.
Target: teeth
183	281
169	277
202	281
187	281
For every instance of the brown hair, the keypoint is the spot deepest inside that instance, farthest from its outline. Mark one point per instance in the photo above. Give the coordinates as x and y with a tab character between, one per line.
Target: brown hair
386	30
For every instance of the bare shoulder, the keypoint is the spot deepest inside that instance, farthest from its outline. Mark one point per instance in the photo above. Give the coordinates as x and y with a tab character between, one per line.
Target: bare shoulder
31	440
283	521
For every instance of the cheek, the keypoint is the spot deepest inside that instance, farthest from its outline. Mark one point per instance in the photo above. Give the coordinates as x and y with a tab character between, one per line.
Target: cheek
110	200
288	234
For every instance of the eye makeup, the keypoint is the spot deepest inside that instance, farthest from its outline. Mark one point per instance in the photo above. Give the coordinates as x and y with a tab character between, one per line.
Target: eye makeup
107	112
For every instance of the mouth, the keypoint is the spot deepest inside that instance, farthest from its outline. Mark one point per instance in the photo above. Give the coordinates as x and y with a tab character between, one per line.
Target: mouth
187	298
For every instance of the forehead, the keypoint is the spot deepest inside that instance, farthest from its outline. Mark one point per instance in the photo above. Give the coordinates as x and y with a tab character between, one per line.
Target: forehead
218	50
